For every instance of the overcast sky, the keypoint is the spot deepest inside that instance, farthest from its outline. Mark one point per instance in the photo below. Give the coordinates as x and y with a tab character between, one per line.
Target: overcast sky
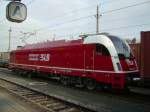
66	19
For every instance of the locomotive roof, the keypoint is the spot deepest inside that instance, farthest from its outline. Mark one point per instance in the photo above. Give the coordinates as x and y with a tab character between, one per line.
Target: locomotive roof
59	43
50	44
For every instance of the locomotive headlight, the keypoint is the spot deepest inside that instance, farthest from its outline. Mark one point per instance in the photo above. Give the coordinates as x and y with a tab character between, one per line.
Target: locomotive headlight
129	62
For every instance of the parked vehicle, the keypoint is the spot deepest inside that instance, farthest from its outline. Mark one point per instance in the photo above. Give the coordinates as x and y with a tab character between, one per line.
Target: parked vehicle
4	59
95	59
145	54
142	54
4	63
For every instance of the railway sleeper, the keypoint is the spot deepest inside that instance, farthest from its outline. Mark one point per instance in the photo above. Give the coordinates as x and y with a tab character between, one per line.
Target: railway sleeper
25	92
40	100
51	105
19	91
29	95
46	102
61	107
38	97
71	109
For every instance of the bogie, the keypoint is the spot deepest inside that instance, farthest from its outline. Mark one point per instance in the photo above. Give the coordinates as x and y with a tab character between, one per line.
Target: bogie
90	84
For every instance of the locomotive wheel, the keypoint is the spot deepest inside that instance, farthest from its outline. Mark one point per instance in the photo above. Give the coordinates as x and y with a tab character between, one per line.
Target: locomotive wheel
29	74
64	80
90	83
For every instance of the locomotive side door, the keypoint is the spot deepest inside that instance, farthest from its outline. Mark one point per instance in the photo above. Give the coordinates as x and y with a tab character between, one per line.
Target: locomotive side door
89	58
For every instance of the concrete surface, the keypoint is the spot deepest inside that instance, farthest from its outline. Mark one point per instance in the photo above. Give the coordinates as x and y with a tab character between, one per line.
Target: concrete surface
143	91
10	103
96	100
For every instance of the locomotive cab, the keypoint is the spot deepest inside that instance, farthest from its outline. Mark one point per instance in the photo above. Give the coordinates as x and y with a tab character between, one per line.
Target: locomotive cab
125	55
119	50
123	61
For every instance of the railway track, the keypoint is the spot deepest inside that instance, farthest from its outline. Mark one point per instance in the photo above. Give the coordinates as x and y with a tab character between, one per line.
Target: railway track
101	101
48	103
134	91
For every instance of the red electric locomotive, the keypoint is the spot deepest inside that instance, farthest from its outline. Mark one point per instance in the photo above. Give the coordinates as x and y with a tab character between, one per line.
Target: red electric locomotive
101	59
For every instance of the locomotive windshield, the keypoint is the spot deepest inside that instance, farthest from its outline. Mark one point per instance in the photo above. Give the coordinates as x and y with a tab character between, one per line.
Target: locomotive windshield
122	48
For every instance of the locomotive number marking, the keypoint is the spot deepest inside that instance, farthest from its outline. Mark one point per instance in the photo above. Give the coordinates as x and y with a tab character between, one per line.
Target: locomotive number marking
39	57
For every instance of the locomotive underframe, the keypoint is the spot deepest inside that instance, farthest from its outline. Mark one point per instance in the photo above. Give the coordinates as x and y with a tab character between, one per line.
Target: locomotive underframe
79	78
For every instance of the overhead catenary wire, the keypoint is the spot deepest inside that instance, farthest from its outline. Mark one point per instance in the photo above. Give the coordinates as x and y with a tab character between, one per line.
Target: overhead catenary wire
126	17
126	7
30	2
82	9
68	27
76	11
73	20
106	12
122	27
117	28
126	35
125	27
15	29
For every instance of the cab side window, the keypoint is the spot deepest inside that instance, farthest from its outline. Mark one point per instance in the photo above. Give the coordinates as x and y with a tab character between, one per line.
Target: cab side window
102	50
99	49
